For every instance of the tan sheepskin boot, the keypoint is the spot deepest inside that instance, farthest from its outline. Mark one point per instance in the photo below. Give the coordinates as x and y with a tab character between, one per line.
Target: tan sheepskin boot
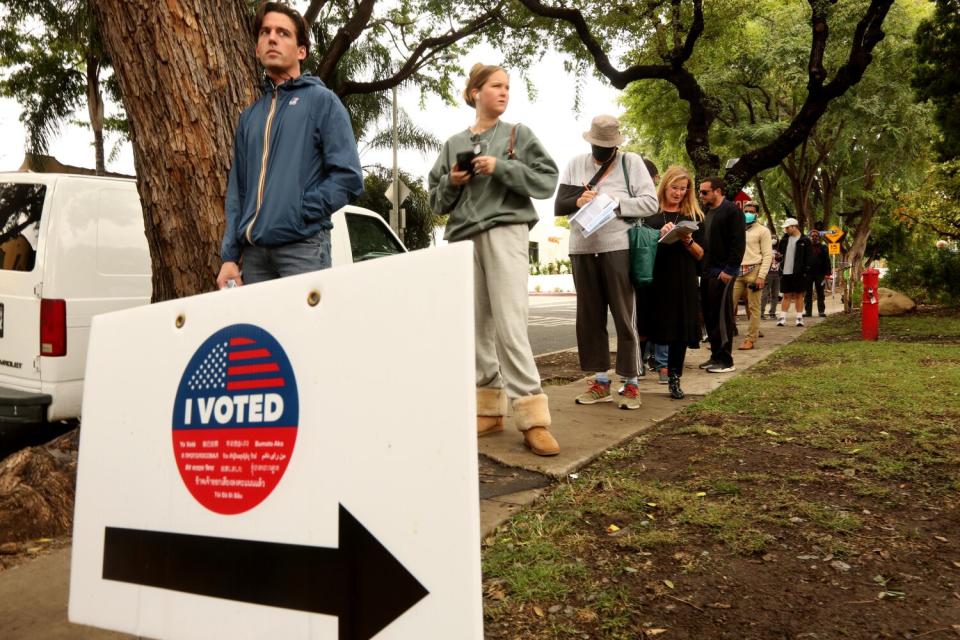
532	415
491	409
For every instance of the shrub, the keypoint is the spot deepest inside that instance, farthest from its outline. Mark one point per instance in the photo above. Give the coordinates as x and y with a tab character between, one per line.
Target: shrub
926	274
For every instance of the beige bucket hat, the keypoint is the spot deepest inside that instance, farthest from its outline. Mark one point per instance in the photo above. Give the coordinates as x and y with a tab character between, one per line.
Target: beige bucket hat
604	132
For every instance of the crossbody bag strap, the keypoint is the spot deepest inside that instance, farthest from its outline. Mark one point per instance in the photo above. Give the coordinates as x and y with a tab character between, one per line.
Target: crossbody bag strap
511	150
626	174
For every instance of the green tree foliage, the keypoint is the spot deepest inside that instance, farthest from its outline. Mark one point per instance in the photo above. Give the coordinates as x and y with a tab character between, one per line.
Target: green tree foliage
662	41
867	146
937	74
54	64
935	206
421	220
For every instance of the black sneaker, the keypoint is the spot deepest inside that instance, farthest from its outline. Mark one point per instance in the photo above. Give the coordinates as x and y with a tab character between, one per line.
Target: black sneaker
823	315
709	363
721	368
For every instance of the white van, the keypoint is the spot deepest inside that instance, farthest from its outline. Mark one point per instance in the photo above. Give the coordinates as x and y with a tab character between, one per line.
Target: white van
72	247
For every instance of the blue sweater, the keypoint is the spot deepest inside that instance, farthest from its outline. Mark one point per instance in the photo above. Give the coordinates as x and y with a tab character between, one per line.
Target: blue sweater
311	168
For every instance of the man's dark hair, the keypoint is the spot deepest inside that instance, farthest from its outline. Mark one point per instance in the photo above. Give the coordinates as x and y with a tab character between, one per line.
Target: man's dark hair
651	168
716	183
818	225
303	34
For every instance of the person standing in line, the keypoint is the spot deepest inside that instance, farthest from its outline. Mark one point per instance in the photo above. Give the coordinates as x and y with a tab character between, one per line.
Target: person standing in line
819	272
757	257
794	270
652	354
724	237
485	178
771	289
295	162
601	261
668	306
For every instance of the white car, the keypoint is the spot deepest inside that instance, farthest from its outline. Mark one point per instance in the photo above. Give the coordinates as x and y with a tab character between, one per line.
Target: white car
72	247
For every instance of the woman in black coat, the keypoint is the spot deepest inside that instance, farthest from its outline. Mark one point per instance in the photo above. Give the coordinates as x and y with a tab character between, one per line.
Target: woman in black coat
668	308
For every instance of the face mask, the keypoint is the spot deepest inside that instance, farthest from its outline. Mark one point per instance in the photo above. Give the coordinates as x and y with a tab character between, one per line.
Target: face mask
602	154
750	218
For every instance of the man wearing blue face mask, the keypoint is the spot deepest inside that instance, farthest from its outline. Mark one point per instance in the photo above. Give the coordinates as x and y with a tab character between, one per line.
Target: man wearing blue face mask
757	258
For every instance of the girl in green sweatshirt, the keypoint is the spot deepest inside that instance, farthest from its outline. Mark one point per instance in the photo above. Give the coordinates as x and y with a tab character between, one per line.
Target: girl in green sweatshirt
487	193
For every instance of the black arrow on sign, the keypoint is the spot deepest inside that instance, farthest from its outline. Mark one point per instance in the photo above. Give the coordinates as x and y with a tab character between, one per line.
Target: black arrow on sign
360	582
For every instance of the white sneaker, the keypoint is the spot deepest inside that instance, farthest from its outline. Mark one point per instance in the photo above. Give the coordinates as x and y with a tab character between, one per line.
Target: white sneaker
799	321
782	320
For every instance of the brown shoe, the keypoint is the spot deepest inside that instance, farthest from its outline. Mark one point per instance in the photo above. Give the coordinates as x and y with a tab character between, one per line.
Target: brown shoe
487	425
747	344
541	441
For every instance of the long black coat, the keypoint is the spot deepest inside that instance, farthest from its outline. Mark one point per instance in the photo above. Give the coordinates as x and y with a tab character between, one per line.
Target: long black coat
668	308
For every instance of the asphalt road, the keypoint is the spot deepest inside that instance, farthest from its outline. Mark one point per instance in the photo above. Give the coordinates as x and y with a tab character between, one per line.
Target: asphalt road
552	323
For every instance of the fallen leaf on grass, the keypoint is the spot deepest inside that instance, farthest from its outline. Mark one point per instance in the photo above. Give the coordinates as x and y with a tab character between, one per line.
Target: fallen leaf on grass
891	594
654	632
956	564
613	528
537	610
651	504
940	538
719	605
668	583
771	432
586	615
700	494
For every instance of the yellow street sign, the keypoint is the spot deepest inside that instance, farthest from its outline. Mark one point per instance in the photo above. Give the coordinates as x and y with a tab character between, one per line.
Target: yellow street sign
833	249
833	234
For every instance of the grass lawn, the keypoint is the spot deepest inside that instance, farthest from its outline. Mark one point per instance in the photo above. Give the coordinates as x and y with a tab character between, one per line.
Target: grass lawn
813	496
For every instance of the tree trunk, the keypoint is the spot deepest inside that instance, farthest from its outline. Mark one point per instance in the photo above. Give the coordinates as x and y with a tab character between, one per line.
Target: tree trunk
95	110
37	487
186	71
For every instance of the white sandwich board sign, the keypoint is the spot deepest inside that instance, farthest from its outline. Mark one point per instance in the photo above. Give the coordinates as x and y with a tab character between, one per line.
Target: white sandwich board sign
294	459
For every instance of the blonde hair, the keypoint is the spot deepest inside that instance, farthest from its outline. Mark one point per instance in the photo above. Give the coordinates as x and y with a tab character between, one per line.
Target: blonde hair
479	74
689	205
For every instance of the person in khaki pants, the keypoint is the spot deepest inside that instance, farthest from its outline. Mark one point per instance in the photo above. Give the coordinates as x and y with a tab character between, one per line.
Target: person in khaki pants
757	258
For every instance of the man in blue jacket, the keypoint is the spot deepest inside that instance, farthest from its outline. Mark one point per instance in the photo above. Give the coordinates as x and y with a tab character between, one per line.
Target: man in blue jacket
294	162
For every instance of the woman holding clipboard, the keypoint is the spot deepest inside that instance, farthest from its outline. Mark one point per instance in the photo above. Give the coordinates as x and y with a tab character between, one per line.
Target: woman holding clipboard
667	307
601	257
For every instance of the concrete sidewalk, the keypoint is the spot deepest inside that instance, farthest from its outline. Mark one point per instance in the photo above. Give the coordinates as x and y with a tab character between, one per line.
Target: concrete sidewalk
586	432
33	596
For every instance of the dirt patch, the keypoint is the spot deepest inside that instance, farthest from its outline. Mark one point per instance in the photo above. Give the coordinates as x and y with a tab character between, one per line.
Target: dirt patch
835	556
560	368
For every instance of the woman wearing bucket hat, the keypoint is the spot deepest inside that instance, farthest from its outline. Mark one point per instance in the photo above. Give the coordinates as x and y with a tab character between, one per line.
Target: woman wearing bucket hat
795	248
484	178
601	260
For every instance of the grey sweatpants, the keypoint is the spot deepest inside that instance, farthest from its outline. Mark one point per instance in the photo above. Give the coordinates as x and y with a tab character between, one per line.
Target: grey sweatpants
602	280
500	273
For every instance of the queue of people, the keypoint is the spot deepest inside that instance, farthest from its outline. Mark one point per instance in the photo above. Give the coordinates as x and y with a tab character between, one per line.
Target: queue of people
278	209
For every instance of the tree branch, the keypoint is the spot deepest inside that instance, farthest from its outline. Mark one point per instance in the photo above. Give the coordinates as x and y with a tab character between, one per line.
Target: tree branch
345	37
313	11
427	48
868	33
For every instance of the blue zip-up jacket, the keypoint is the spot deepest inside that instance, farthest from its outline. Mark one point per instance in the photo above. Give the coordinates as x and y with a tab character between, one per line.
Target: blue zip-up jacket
311	166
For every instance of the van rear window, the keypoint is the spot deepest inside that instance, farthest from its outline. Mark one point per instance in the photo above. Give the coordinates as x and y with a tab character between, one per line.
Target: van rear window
20	208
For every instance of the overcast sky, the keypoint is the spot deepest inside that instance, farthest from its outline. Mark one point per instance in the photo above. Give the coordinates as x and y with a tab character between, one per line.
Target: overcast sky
550	116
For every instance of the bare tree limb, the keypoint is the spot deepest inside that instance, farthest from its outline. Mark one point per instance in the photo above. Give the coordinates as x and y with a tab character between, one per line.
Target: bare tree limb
345	37
869	32
423	53
313	11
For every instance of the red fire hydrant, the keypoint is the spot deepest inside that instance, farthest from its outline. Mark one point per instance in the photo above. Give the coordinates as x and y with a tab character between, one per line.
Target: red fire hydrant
870	310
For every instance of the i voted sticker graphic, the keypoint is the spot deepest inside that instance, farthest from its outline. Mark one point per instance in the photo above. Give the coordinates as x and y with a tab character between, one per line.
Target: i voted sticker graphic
235	419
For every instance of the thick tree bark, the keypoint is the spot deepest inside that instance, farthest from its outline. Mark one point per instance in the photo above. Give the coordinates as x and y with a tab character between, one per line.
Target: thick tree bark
186	71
